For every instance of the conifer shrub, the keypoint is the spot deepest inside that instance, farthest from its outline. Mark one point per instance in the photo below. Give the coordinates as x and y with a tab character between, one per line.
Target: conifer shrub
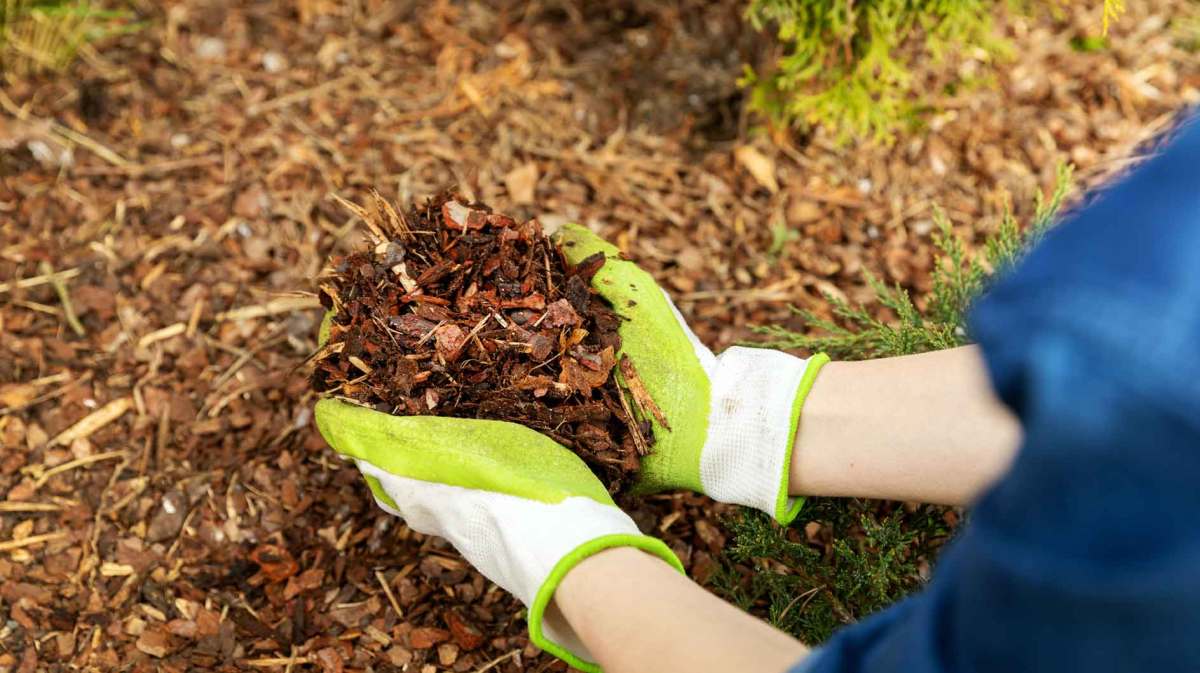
46	35
843	559
848	64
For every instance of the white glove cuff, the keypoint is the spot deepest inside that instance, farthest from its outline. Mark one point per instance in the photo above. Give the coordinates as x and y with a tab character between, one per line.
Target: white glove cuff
756	399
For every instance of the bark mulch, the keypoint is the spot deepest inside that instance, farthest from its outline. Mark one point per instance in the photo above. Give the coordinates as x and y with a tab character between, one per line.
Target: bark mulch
165	502
460	311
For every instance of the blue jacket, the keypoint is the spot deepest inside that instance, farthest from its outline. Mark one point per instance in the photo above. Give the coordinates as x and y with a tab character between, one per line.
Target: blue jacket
1086	555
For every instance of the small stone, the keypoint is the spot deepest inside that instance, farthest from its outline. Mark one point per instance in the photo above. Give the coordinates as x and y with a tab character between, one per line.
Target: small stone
211	49
274	62
168	519
48	157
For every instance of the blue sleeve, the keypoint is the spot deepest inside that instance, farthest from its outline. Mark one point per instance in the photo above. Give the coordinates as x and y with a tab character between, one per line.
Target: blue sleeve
1086	555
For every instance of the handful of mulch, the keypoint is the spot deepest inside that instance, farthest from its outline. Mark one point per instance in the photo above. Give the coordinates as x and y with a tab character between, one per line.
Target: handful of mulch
459	311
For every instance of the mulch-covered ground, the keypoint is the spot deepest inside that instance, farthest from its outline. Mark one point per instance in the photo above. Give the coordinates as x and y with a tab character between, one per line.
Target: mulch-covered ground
165	502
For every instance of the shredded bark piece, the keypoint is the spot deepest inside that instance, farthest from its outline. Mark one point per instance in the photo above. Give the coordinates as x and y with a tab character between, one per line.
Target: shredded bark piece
641	396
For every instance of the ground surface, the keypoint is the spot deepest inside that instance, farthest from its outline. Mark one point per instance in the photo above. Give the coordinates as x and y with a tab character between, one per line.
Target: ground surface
195	519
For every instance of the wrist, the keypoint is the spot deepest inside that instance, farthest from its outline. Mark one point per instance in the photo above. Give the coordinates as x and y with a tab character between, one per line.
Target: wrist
553	614
757	398
576	590
605	587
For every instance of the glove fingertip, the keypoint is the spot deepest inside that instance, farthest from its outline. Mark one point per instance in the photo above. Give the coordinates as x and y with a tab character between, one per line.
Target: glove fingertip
578	243
323	330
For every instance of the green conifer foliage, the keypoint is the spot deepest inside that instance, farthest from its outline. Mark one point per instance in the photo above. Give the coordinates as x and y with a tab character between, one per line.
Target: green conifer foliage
867	554
847	64
40	35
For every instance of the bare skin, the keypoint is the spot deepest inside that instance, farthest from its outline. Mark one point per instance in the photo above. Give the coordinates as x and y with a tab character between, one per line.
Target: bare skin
924	428
636	613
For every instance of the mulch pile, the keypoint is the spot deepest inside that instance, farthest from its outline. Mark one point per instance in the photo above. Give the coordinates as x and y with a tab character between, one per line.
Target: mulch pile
460	311
165	501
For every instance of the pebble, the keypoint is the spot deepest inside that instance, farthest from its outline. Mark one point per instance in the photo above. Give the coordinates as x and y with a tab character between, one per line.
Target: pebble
274	62
211	49
168	519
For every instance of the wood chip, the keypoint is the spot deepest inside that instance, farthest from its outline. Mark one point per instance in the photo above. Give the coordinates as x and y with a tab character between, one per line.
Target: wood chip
760	166
32	540
94	421
162	334
641	397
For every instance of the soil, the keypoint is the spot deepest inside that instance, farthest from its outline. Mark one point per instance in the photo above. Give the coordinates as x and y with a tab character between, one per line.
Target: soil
165	500
460	311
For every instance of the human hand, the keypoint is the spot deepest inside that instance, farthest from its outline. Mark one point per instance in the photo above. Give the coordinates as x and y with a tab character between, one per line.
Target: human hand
730	419
518	506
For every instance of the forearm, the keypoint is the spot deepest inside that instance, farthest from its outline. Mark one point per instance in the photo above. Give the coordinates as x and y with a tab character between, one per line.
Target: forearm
635	613
920	427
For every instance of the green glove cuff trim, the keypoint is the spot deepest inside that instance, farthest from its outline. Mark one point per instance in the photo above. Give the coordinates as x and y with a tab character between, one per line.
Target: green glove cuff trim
380	494
650	545
656	343
468	452
786	512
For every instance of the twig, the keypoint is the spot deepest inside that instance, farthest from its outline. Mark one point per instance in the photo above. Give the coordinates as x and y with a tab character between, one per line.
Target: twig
362	214
297	96
639	442
273	307
194	319
66	132
93	421
270	662
810	593
497	661
78	462
64	298
391	597
32	540
162	334
90	558
28	507
87	376
34	281
641	396
157	168
291	660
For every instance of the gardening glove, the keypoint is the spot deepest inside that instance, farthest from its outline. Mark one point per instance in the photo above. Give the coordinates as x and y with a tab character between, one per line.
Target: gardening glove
521	508
732	418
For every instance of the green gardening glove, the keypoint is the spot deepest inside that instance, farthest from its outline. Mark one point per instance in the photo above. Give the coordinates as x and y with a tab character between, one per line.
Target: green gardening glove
518	506
732	418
